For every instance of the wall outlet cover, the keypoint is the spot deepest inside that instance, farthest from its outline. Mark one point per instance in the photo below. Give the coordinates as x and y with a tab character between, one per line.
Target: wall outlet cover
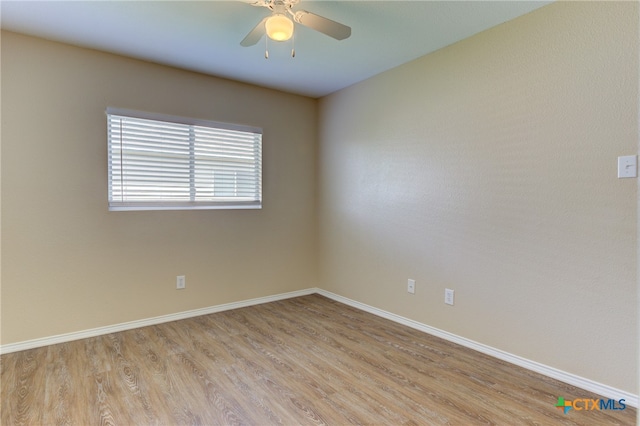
180	282
448	296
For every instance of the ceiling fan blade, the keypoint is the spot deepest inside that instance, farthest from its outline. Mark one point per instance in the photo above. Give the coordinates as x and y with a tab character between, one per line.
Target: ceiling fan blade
255	34
324	25
263	3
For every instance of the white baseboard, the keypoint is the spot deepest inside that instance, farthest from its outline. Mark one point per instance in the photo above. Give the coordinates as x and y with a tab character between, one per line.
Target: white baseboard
68	337
572	379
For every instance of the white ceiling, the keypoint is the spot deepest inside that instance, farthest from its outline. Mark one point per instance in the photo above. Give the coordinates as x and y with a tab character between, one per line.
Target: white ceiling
204	36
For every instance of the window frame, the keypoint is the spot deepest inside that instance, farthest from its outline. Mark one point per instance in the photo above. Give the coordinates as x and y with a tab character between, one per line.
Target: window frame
192	203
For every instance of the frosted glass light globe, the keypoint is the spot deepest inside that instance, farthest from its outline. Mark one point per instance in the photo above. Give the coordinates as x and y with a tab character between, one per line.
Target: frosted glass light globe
279	28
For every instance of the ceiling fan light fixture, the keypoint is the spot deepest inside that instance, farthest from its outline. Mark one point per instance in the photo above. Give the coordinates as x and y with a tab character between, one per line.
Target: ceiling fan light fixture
279	27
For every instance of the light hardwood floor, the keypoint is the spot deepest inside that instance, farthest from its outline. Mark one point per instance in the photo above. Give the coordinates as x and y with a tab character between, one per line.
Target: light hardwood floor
302	361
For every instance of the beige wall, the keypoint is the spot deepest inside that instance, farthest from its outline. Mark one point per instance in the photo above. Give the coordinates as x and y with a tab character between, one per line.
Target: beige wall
69	264
489	167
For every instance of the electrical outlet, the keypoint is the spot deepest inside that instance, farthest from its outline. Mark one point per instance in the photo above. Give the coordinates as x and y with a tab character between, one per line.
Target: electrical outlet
411	286
448	296
180	282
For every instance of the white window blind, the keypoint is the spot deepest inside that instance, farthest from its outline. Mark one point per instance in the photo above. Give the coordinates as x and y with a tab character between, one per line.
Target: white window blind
161	162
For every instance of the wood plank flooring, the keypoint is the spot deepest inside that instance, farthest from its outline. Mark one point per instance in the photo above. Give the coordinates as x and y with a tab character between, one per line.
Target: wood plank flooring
302	361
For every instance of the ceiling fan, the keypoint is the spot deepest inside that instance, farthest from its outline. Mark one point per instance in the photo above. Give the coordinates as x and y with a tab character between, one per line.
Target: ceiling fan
279	25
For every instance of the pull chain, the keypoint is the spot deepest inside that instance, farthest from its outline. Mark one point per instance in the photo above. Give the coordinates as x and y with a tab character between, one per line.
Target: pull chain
293	46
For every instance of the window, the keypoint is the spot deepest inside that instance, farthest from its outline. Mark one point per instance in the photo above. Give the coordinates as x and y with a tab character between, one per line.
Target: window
159	162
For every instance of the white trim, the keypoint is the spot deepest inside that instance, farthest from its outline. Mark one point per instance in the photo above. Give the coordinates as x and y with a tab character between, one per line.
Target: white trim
572	379
68	337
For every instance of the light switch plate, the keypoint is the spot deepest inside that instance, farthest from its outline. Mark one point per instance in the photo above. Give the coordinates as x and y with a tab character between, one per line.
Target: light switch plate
628	166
